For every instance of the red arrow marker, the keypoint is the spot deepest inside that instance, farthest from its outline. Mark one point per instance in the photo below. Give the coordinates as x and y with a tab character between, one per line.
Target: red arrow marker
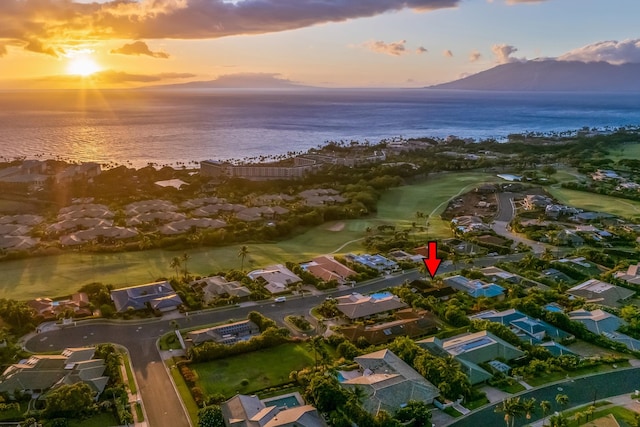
432	262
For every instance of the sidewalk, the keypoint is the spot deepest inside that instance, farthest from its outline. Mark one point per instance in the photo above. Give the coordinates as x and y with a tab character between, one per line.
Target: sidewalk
624	400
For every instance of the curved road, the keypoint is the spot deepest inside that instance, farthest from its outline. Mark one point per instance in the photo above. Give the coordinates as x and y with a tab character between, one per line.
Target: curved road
580	391
162	404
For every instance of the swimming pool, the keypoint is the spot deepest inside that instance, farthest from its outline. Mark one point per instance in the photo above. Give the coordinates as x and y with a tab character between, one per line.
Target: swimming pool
380	295
288	401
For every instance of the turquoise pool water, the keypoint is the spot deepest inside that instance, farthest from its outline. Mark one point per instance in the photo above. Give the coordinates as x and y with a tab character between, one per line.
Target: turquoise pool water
288	401
380	295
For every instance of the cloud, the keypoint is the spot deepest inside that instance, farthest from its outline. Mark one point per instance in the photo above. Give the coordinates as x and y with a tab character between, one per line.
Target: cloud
394	48
139	48
475	56
611	51
34	45
56	23
503	53
447	53
421	49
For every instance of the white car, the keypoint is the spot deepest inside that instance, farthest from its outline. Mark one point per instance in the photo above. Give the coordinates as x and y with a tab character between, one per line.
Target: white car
280	299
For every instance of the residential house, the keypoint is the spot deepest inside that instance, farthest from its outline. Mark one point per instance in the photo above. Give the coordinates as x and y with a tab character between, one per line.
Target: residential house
388	382
214	287
495	274
326	268
40	373
536	201
468	223
599	292
632	275
158	296
475	288
358	306
472	349
603	323
408	323
277	278
376	262
224	334
50	309
249	411
526	328
568	238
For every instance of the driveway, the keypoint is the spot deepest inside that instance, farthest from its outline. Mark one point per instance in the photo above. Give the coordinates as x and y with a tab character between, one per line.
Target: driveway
506	212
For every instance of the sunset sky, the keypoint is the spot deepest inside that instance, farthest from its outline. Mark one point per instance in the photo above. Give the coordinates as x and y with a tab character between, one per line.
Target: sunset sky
335	43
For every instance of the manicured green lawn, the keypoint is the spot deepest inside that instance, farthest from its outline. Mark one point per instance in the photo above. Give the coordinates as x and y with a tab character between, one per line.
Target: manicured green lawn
183	391
64	274
100	420
597	202
263	369
541	379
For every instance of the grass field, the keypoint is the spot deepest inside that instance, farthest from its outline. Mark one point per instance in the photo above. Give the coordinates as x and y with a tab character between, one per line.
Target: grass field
64	274
597	202
262	369
183	391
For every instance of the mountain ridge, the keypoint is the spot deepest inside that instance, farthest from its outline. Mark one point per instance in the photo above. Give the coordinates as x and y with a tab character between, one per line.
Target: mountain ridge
552	75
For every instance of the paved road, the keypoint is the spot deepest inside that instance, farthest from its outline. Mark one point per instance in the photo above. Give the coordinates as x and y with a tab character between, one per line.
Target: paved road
162	404
506	212
580	391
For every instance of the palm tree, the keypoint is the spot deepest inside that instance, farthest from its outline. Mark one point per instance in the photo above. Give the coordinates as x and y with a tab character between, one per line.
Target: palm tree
547	255
512	408
562	399
528	406
558	420
244	251
315	344
545	405
176	264
185	257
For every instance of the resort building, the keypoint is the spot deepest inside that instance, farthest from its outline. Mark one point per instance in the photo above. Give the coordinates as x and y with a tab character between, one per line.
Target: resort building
157	296
388	382
261	171
358	306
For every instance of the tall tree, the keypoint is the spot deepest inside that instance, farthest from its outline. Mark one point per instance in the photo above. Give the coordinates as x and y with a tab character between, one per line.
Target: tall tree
210	416
242	254
512	408
176	264
185	258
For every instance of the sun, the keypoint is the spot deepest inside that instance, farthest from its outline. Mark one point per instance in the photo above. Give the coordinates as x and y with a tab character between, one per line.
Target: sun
82	66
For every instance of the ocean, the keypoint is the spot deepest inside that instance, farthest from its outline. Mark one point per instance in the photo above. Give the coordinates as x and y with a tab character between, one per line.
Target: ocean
176	127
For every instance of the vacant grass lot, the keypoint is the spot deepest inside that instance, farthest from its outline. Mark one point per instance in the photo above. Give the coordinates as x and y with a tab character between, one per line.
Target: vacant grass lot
262	369
597	202
64	274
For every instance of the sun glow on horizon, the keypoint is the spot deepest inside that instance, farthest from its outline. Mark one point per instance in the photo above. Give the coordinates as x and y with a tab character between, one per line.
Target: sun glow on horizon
83	66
